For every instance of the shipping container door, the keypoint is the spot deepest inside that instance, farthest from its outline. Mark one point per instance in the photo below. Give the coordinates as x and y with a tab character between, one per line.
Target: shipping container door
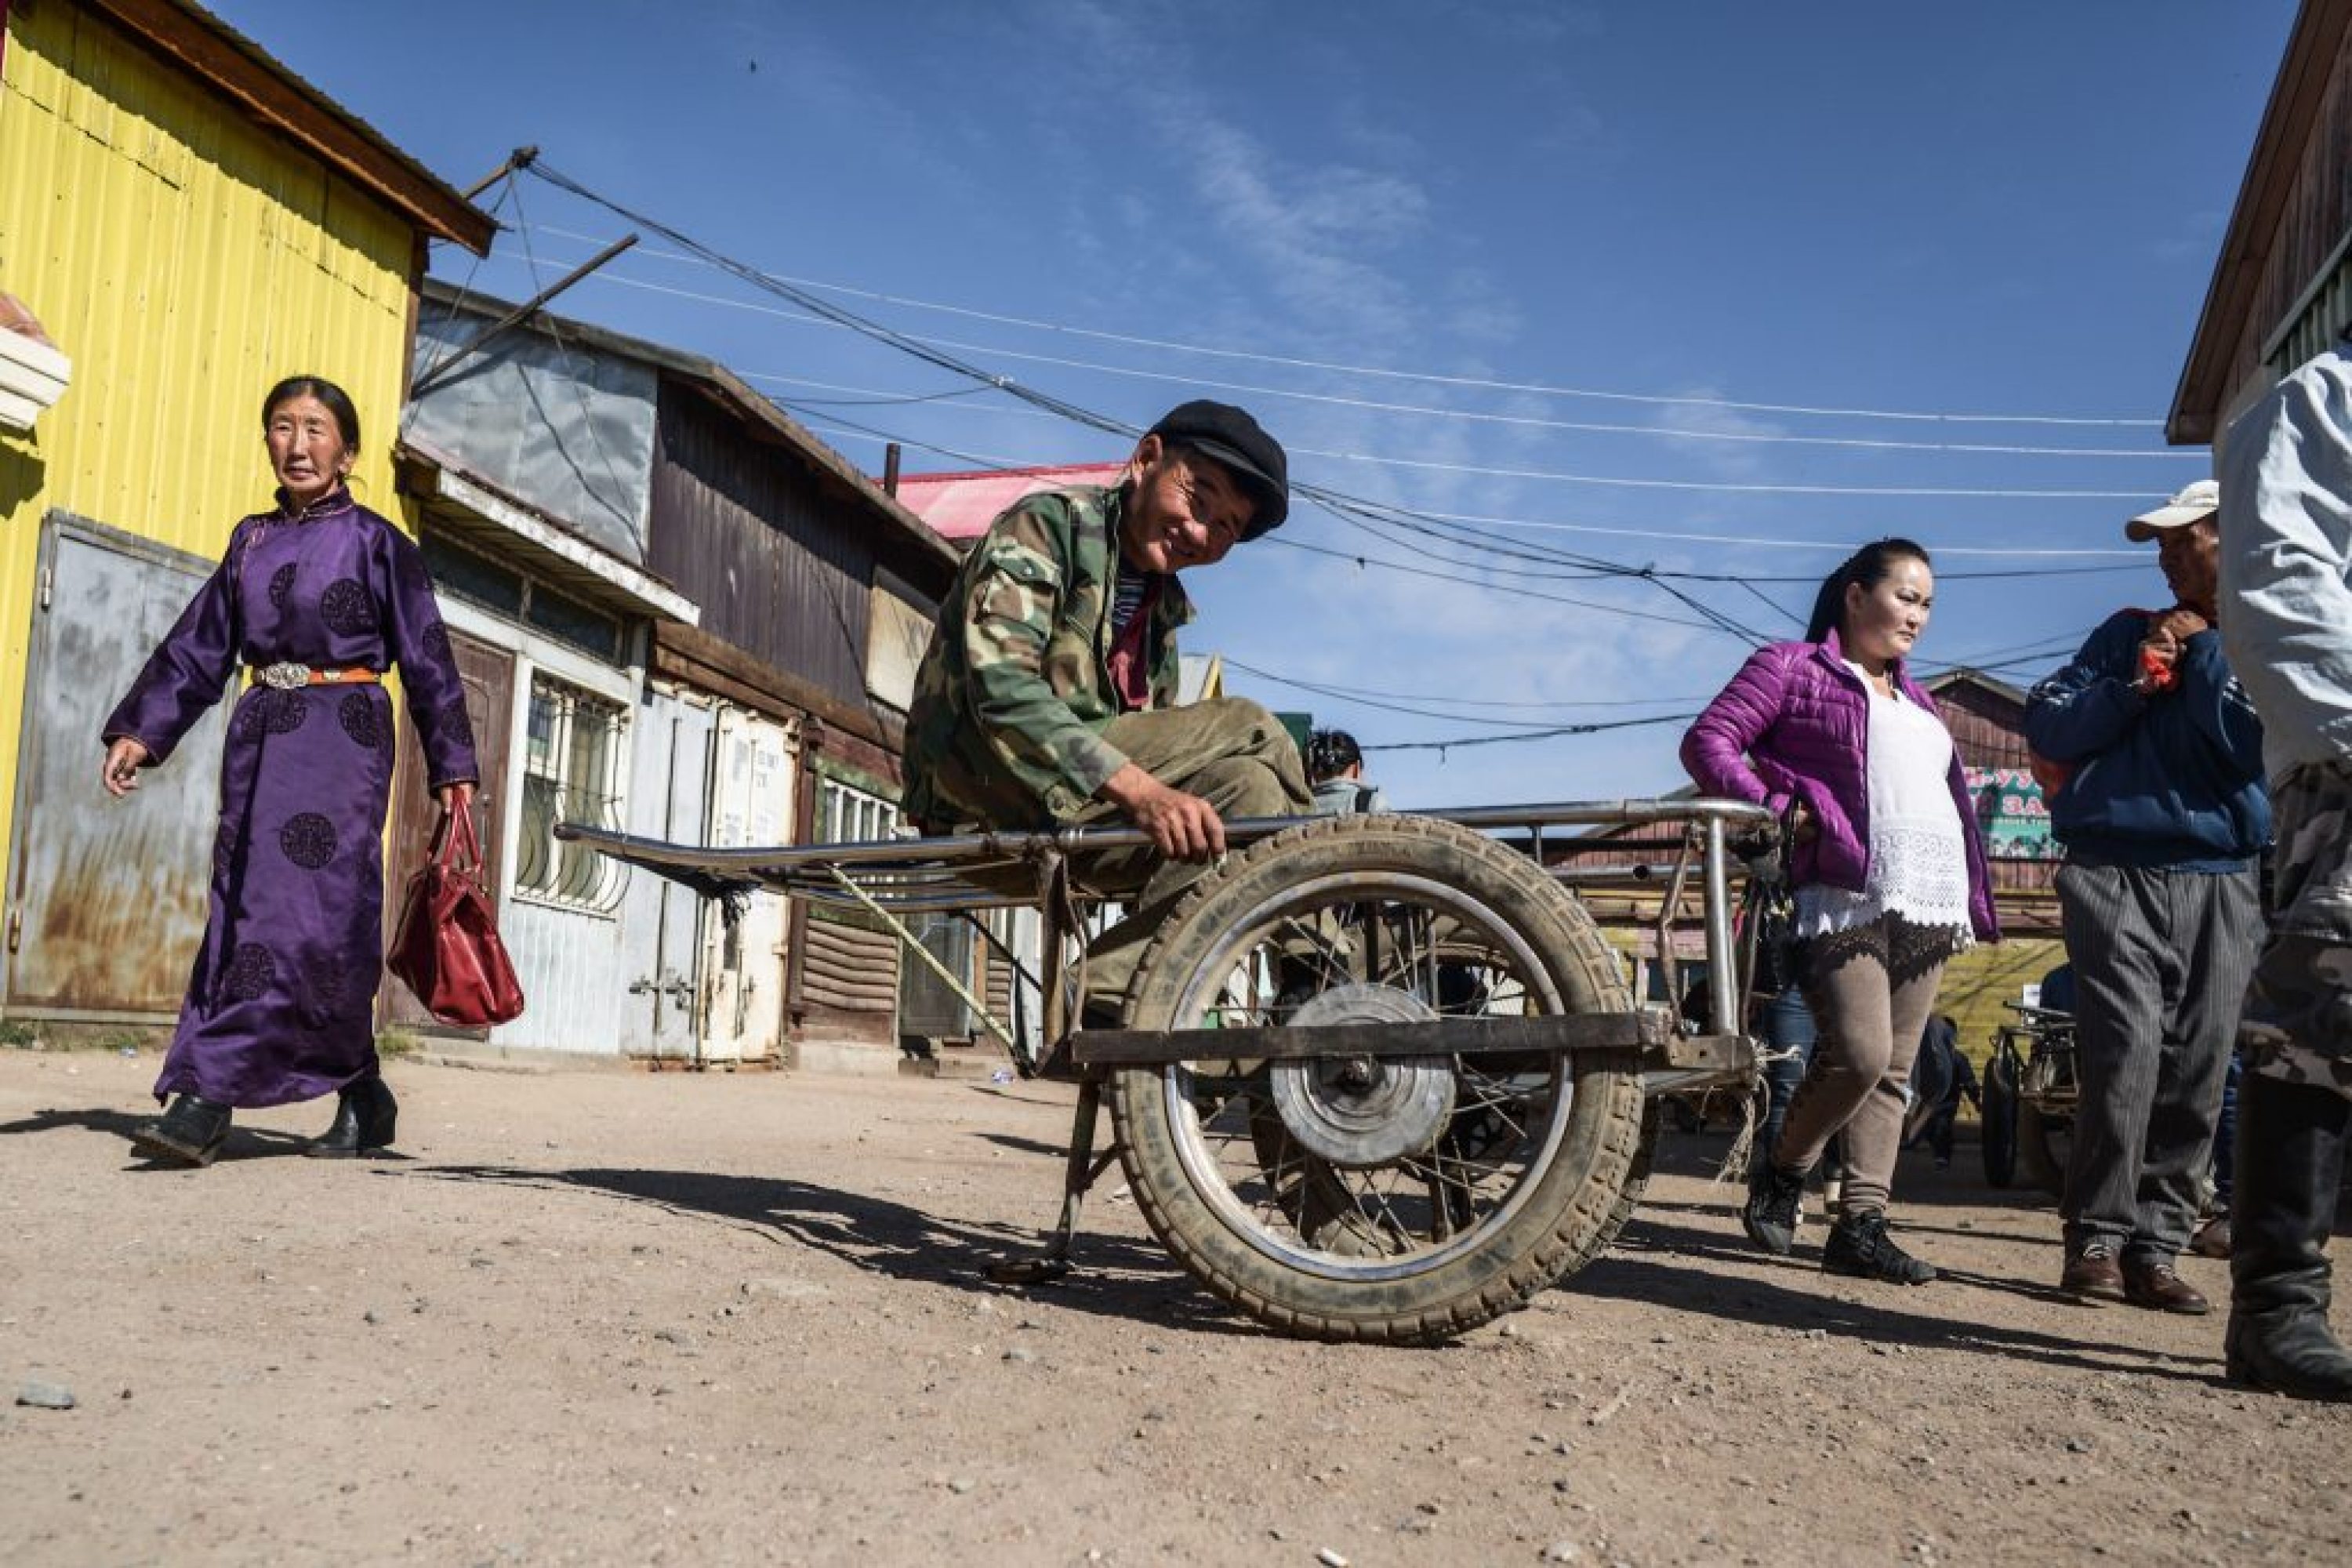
743	963
107	897
661	923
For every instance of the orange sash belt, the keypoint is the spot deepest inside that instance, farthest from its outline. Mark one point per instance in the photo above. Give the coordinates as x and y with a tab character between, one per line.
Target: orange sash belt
287	676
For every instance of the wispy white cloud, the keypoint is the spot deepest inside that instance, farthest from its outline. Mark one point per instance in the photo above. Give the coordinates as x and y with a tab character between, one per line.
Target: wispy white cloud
1702	415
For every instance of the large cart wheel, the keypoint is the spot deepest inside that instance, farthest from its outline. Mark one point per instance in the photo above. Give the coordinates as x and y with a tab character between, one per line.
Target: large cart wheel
1396	1199
2001	1119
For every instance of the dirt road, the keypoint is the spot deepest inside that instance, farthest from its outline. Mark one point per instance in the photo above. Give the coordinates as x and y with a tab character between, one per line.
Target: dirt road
619	1319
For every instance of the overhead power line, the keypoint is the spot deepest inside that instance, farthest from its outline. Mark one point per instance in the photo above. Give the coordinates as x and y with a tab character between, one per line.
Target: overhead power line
1392	704
1431	377
1453	742
1383	519
1664	432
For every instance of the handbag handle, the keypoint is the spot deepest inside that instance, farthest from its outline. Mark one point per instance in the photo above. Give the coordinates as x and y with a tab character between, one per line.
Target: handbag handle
456	845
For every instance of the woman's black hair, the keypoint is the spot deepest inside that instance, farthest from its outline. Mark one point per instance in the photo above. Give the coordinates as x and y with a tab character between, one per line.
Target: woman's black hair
1329	753
1867	568
338	402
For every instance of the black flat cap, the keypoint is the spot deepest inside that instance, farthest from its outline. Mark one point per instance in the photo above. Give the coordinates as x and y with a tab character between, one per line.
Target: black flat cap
1229	436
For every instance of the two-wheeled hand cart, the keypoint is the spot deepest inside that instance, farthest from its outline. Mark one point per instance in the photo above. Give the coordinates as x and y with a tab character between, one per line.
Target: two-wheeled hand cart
1379	1077
2031	1086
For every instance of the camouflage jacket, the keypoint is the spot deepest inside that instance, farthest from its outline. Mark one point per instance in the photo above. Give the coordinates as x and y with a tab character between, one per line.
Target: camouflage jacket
1015	686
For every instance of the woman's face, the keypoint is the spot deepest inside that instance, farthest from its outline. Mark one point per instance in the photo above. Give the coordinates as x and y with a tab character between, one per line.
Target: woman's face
1884	620
307	451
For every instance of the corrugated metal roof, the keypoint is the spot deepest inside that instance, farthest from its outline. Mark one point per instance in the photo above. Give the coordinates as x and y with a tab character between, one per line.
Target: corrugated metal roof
276	98
961	506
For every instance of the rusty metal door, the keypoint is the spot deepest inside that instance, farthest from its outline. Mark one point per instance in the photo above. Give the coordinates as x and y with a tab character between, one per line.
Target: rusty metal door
106	898
489	674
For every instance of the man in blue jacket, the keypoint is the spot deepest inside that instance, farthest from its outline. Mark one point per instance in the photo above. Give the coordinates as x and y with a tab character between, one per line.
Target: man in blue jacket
2162	816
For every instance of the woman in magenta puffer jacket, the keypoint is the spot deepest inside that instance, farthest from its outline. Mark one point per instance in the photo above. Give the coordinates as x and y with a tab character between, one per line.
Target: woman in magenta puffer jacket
1889	868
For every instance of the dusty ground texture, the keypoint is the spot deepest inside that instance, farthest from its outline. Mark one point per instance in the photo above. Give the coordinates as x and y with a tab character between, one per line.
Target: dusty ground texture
618	1319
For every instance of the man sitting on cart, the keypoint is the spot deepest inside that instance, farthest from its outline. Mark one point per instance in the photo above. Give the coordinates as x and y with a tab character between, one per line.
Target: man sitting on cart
1045	699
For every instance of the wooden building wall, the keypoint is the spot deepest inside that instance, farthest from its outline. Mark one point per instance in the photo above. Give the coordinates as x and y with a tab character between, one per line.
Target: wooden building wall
747	533
1989	730
2300	215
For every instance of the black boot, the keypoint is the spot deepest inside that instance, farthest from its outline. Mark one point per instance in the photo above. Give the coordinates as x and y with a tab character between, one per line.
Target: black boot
189	1134
1774	1198
365	1113
2290	1160
1859	1247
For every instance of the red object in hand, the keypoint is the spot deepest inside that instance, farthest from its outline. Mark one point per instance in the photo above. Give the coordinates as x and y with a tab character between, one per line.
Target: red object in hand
446	945
2156	673
2052	776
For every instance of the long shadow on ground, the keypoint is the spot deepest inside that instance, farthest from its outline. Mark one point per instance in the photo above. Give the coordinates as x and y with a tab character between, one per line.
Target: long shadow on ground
1116	1275
1642	1268
243	1142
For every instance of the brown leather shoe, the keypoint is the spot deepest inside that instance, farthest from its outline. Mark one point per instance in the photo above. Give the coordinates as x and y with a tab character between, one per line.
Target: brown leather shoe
2213	1238
2093	1274
2156	1284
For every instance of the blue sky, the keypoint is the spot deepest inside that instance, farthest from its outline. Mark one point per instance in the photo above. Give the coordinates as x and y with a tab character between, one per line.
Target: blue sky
1638	284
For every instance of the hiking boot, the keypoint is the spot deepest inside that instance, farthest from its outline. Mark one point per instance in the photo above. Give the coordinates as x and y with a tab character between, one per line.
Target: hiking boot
1859	1247
2093	1274
2156	1284
189	1134
1769	1215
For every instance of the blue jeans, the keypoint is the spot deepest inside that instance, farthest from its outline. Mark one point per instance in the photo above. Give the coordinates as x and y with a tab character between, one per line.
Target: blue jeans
1786	1024
2225	1137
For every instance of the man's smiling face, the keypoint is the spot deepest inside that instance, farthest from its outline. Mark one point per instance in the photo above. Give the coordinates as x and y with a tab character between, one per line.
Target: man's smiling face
1185	510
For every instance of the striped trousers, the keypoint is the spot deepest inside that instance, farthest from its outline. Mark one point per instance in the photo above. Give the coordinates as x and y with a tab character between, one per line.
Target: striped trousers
2161	958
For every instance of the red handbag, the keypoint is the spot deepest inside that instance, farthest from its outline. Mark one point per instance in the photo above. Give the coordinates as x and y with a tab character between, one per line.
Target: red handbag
446	945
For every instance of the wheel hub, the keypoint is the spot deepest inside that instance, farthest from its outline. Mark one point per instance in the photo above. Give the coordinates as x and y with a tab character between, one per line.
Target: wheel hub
1358	1111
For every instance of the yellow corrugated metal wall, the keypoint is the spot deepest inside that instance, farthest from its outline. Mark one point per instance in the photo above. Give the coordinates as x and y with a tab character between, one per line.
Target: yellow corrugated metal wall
185	259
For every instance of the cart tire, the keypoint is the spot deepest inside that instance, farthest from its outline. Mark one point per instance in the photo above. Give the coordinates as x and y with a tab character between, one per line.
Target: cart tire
1637	1180
1519	1176
2000	1107
2037	1157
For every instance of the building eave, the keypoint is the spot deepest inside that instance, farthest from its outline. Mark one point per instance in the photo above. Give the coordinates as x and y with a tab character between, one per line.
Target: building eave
2295	102
234	65
553	550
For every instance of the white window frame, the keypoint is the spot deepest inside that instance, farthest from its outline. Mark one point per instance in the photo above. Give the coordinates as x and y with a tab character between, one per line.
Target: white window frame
867	816
576	877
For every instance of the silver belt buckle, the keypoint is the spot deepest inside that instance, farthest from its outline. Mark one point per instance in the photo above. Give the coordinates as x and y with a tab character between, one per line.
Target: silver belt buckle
285	675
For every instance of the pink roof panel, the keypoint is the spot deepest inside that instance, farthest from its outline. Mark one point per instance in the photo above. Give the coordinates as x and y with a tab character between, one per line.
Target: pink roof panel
961	506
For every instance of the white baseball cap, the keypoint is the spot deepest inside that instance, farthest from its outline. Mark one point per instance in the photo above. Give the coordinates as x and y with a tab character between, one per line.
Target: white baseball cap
2195	504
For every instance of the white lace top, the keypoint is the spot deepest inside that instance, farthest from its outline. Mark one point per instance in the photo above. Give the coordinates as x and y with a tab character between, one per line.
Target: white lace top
1918	850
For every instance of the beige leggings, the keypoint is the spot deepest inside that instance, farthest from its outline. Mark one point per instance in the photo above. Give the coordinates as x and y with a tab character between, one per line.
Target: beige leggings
1871	990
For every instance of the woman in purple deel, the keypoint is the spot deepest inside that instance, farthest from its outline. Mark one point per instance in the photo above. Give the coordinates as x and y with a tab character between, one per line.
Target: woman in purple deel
311	604
1833	734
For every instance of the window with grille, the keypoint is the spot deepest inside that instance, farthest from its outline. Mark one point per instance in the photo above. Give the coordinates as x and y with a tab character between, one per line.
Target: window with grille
845	814
576	749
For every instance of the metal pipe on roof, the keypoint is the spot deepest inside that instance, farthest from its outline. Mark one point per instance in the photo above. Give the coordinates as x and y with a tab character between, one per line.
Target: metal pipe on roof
440	372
